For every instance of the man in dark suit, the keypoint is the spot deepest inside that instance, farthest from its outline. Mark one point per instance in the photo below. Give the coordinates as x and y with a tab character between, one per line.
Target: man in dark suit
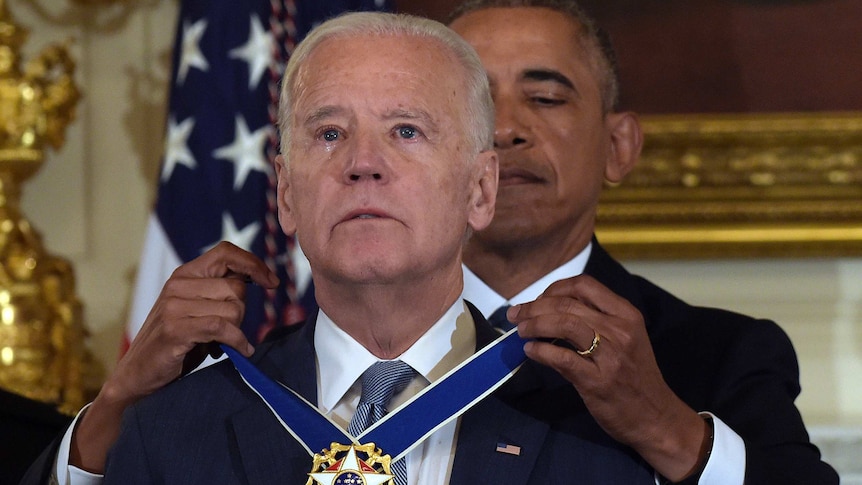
705	396
27	426
387	128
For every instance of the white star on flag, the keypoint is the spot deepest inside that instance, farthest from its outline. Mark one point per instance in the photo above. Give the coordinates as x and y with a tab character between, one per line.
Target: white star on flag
190	55
246	152
257	51
176	147
242	238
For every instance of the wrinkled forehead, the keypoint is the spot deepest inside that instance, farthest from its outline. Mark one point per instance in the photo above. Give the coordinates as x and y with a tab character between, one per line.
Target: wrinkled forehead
387	74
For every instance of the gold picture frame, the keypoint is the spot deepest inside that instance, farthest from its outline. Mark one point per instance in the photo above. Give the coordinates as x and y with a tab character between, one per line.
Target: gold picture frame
740	185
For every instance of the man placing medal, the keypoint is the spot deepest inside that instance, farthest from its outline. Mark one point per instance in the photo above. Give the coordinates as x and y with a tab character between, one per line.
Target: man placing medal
387	167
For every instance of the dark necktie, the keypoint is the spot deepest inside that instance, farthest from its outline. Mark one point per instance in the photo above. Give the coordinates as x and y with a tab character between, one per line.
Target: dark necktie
499	321
379	383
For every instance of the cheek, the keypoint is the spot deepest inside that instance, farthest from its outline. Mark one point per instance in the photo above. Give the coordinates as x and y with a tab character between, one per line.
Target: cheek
452	195
300	198
580	149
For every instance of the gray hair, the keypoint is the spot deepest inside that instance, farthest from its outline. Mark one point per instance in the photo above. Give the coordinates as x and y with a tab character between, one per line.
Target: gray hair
479	109
594	40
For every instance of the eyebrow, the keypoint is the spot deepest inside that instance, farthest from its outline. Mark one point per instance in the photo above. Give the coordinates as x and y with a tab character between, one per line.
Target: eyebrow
548	75
421	115
406	113
322	113
327	111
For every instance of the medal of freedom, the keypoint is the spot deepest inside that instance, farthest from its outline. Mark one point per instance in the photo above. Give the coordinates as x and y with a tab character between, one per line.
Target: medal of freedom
350	465
399	431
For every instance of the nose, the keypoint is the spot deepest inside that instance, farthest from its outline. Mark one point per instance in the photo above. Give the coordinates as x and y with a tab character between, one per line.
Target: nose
510	129
366	160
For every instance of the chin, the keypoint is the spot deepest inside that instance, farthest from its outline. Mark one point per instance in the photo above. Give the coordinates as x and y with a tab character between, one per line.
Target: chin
362	269
502	234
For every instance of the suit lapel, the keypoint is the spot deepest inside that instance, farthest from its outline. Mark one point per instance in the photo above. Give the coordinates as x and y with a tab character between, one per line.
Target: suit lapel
491	423
610	273
263	448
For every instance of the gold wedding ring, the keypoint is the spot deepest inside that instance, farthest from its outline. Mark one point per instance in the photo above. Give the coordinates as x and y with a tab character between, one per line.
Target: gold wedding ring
593	346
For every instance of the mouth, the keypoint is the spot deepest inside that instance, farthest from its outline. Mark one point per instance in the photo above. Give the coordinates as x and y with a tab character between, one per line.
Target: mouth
518	176
365	214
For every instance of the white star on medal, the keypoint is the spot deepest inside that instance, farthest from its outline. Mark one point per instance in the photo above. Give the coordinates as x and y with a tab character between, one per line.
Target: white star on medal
350	463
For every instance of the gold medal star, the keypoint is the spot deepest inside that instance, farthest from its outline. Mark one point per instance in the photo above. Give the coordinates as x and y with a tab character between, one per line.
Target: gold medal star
350	471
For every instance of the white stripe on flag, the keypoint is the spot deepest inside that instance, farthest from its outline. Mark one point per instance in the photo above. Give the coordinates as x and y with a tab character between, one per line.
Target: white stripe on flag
158	261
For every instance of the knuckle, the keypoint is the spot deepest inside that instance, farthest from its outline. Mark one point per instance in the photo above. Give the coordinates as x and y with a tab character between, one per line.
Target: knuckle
209	327
625	340
173	285
236	312
568	325
565	305
173	309
223	246
171	329
567	359
236	287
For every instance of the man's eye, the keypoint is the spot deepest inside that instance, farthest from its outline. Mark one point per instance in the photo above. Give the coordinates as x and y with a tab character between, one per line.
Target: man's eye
407	132
544	100
330	135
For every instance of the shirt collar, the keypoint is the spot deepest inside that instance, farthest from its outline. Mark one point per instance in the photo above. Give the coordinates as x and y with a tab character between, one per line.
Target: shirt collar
487	300
435	353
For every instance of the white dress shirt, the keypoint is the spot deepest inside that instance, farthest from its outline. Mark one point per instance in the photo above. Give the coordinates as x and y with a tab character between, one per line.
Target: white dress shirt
726	463
433	355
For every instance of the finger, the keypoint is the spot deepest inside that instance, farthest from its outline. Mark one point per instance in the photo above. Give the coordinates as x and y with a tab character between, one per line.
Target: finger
228	261
549	305
557	318
206	289
182	323
204	329
565	361
592	293
556	329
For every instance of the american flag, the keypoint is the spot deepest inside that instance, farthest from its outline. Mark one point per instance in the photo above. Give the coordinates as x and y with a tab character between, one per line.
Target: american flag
217	181
508	449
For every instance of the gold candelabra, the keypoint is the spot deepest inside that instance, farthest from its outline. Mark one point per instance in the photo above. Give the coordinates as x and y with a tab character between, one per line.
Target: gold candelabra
42	352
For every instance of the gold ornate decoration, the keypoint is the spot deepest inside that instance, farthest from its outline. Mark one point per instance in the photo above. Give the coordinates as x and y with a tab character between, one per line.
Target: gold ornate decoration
42	352
97	15
740	185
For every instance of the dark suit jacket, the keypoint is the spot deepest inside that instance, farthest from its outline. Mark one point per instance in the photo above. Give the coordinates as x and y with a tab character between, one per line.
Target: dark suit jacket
741	369
209	427
26	428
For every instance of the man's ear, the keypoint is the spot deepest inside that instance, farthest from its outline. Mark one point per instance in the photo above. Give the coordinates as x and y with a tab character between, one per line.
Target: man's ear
484	191
626	143
285	213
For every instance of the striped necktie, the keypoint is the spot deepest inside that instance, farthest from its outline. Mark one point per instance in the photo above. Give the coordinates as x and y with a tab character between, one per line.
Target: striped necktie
379	383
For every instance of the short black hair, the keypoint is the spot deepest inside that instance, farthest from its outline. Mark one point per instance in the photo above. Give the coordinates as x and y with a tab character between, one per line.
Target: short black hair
591	37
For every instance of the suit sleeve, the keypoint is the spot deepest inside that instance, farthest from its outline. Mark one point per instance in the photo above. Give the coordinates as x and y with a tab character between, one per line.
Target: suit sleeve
756	387
128	462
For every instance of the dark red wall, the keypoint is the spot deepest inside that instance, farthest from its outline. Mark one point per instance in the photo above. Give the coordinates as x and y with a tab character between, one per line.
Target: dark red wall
727	55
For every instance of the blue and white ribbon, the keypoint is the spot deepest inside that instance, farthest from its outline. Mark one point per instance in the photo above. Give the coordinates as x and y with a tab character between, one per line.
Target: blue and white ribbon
406	426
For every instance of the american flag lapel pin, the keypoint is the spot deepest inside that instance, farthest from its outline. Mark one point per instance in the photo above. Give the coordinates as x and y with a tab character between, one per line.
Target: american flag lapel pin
509	449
